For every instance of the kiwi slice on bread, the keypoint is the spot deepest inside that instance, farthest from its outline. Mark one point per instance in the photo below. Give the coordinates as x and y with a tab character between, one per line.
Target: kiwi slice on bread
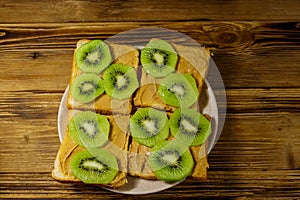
120	81
158	58
179	90
148	126
189	126
171	160
95	166
89	129
86	88
93	57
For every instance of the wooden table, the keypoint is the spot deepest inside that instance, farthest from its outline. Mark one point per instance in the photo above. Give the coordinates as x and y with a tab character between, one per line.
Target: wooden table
256	45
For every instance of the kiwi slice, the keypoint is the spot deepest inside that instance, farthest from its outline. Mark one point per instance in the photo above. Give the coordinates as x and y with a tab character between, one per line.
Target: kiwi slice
89	129
158	58
86	88
120	81
171	161
189	126
178	90
93	56
148	126
96	166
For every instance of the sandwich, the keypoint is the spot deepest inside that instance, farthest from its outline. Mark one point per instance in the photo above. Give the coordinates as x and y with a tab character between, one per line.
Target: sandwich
123	55
112	155
135	113
192	64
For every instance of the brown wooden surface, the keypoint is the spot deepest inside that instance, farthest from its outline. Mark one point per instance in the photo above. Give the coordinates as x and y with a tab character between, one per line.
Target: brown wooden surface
256	46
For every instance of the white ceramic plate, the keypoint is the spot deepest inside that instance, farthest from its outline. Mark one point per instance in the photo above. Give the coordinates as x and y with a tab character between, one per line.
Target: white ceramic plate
137	185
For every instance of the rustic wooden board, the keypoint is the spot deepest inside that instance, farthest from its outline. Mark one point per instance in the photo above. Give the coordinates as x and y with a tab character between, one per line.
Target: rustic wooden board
229	184
33	143
19	11
256	46
248	54
248	160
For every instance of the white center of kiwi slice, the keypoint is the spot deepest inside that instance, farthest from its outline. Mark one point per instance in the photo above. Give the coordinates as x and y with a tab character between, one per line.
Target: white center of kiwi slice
178	90
188	126
121	81
159	58
150	126
170	158
89	128
87	87
92	164
93	57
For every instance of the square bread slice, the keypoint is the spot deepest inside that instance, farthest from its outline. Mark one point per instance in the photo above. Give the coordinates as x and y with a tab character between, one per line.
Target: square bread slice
103	104
192	60
139	167
118	145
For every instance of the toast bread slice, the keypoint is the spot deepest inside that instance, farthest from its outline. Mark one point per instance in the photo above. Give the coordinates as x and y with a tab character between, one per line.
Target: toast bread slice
139	167
118	145
104	104
192	60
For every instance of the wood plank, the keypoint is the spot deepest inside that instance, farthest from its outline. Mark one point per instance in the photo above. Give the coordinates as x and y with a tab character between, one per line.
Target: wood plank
263	140
246	184
135	10
43	104
47	71
255	156
265	53
267	141
256	46
260	100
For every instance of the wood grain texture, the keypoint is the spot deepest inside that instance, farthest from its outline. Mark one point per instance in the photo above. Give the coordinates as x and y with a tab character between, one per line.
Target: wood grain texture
247	160
259	54
255	44
141	10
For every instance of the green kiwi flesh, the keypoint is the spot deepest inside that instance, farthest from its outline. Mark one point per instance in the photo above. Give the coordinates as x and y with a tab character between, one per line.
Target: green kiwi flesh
179	90
120	81
93	57
158	58
89	129
86	88
148	126
96	167
171	161
190	126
